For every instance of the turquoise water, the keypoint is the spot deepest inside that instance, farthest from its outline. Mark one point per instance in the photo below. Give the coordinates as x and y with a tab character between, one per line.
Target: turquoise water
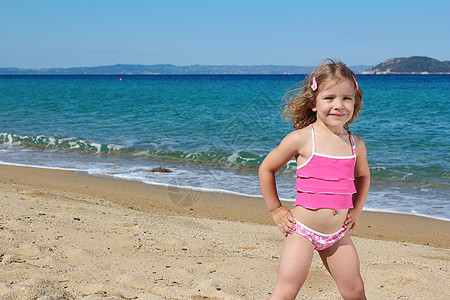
214	131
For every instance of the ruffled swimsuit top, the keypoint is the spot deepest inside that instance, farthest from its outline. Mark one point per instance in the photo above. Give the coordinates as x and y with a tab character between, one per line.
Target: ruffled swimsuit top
326	181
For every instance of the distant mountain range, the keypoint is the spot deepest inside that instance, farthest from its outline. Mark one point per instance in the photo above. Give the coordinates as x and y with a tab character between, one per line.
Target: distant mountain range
411	65
401	65
168	69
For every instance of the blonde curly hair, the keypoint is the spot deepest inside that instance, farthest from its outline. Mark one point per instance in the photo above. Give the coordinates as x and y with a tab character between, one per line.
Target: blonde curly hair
300	101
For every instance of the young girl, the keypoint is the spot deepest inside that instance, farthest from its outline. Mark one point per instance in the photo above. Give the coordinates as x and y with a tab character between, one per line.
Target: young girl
332	181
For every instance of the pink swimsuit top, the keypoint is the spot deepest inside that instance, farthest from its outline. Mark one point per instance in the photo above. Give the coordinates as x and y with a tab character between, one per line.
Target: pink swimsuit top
326	181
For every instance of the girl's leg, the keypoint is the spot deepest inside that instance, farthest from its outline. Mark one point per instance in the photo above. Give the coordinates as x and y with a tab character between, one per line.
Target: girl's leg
295	261
342	262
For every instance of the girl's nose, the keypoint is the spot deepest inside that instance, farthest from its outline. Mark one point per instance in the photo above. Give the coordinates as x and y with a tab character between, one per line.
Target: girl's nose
338	104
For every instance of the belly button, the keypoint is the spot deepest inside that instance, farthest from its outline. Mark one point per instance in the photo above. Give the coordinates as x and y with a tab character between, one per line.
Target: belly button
334	212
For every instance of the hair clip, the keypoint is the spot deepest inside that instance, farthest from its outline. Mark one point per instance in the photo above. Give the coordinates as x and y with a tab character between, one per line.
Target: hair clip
356	83
314	84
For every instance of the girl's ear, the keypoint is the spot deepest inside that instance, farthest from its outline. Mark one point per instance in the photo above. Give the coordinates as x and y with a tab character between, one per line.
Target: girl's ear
312	105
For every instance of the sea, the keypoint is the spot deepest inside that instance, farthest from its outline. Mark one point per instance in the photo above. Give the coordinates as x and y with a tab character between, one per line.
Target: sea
213	131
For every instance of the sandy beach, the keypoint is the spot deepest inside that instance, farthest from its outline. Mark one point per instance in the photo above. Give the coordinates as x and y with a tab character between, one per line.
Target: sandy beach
65	235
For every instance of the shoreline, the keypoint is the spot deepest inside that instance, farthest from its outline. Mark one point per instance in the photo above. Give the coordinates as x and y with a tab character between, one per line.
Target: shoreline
65	235
221	206
160	180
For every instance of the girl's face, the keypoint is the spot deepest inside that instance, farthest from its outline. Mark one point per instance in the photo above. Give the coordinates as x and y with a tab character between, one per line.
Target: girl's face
335	103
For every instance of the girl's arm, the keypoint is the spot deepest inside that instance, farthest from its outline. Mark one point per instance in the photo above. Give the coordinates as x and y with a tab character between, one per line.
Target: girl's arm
274	161
362	184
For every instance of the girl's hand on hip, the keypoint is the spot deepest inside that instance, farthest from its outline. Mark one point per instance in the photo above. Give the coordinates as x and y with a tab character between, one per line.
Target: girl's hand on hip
284	219
352	216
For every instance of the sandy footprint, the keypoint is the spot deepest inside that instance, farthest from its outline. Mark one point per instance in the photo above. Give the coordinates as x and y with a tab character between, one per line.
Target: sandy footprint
212	288
36	288
30	250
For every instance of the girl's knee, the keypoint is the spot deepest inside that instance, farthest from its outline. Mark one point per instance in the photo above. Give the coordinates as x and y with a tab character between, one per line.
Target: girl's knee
355	290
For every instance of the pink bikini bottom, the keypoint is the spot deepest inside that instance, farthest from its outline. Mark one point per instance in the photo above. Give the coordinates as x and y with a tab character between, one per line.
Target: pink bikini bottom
319	240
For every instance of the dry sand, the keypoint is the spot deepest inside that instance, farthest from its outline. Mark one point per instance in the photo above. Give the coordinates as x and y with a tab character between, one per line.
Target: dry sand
72	236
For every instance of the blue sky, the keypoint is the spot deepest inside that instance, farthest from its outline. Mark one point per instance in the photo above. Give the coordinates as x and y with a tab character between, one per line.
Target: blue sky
57	33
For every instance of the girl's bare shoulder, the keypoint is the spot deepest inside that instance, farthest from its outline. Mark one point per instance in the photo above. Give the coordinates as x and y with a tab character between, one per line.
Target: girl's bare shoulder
298	139
300	135
359	143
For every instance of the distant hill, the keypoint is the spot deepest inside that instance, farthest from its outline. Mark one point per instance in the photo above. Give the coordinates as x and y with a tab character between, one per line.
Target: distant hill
121	69
411	65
